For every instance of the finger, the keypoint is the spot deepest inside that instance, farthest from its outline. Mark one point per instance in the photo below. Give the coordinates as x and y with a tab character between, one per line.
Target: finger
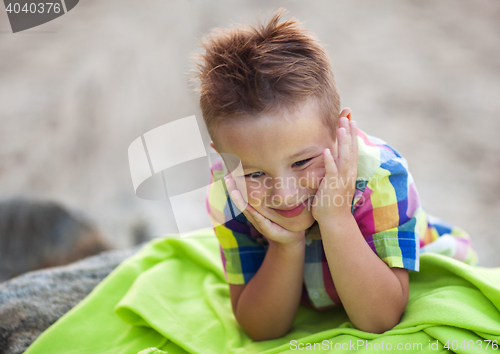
234	193
330	166
255	215
230	185
257	219
335	152
343	123
238	200
344	158
355	149
250	213
244	207
346	124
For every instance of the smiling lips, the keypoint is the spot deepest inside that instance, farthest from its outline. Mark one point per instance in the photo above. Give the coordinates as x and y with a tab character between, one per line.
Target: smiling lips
292	212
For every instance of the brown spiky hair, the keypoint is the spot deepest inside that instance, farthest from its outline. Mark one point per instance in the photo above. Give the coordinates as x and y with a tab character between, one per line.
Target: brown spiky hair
249	71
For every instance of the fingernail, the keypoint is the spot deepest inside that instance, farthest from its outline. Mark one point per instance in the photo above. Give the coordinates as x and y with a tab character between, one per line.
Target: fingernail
342	131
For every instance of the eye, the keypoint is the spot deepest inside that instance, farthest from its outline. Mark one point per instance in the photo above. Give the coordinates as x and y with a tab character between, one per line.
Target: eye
251	175
301	162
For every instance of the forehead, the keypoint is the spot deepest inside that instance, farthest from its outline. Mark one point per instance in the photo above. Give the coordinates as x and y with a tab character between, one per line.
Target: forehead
267	139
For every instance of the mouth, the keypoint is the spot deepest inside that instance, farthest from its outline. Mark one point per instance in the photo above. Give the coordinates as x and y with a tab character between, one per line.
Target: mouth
294	211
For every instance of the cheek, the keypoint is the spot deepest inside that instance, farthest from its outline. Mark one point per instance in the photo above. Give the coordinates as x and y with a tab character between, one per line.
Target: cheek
311	178
256	192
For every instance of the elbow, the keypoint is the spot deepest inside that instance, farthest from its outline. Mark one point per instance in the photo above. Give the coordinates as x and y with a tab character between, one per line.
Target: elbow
377	328
387	326
259	338
260	332
380	324
258	335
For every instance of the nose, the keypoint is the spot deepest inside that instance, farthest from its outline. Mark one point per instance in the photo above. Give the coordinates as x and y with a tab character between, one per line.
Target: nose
284	192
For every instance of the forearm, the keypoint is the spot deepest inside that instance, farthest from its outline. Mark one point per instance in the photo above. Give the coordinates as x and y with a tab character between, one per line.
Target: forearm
371	293
267	306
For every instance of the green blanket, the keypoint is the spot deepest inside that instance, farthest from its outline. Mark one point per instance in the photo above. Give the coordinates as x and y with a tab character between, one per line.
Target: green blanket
172	296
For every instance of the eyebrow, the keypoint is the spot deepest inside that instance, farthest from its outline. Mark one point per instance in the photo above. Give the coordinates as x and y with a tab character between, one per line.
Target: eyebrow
306	150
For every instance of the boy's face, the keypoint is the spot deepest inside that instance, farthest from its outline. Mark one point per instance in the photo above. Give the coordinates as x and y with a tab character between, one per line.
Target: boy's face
281	156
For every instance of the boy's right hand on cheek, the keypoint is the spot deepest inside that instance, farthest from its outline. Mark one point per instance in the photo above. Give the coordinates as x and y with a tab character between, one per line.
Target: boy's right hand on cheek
268	228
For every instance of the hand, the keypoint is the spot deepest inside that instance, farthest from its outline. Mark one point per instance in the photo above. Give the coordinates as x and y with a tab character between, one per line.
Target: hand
336	190
269	229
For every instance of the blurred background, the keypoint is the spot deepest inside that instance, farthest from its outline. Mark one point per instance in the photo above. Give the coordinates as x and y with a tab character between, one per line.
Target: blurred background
75	92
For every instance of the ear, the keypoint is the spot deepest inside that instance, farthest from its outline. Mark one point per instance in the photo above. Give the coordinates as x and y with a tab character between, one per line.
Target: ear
213	146
346	112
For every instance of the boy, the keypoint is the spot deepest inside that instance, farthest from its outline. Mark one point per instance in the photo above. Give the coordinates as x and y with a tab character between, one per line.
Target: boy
332	215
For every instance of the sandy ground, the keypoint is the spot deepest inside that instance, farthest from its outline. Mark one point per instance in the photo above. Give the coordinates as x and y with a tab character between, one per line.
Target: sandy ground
422	75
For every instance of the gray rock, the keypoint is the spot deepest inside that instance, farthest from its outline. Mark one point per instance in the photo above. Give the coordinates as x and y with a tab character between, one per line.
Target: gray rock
30	303
37	234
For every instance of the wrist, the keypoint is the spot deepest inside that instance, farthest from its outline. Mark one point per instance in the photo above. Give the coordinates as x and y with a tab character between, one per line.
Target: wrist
298	243
336	222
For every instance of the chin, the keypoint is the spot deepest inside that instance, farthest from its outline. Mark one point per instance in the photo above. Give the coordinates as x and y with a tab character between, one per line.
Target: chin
303	222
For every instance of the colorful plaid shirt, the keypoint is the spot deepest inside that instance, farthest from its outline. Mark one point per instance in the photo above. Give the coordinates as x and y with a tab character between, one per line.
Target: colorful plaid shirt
386	207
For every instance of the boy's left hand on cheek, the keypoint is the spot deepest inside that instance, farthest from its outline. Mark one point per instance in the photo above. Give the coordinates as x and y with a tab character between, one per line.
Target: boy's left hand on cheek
334	196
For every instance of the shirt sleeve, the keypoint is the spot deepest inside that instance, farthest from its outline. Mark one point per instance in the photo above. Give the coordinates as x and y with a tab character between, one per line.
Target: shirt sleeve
448	240
242	247
390	216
